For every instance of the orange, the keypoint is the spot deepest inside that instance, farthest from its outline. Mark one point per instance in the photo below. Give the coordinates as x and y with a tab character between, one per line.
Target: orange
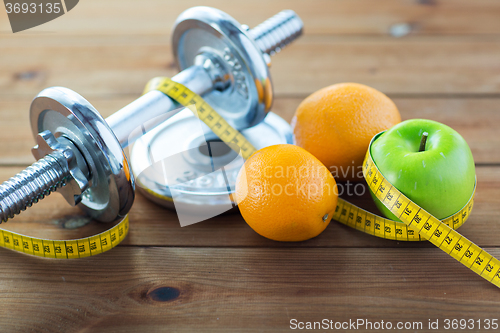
336	124
286	194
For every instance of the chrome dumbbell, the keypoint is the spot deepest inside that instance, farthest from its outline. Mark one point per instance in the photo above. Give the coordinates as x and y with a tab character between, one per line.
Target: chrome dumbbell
81	155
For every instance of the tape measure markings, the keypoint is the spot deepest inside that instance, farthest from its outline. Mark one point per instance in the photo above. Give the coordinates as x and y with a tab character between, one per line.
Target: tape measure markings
66	249
203	111
440	234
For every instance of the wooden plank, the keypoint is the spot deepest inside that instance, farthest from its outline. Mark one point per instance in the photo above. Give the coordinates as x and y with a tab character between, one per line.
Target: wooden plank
243	290
420	65
320	17
480	130
152	225
112	65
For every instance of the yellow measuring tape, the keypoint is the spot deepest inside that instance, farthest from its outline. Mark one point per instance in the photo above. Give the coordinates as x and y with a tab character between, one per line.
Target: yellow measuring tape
427	226
416	225
203	111
66	249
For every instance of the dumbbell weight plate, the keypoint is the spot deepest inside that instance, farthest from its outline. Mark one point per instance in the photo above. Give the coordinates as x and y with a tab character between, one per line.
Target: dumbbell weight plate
65	113
206	30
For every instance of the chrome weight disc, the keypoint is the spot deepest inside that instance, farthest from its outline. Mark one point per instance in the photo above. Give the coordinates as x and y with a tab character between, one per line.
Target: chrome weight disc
67	114
216	35
182	165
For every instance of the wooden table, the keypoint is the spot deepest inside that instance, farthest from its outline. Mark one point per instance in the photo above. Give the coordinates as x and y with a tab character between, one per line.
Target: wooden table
219	275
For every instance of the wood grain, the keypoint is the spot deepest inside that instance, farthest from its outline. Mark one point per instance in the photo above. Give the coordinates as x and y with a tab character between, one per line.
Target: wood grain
345	17
228	290
117	65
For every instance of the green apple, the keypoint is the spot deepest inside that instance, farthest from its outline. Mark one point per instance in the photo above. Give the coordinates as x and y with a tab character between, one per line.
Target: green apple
428	162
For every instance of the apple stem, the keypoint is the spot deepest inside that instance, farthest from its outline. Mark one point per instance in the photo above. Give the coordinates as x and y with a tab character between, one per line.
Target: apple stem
423	141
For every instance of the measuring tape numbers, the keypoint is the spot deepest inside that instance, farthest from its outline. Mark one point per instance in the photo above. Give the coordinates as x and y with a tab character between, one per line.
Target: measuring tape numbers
203	111
66	249
417	224
429	227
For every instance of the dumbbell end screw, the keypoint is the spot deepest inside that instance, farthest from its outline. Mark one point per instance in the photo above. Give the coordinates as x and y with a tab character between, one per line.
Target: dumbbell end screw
57	169
32	184
272	35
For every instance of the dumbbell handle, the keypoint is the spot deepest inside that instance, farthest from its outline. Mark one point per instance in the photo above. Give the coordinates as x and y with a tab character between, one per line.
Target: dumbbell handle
154	107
